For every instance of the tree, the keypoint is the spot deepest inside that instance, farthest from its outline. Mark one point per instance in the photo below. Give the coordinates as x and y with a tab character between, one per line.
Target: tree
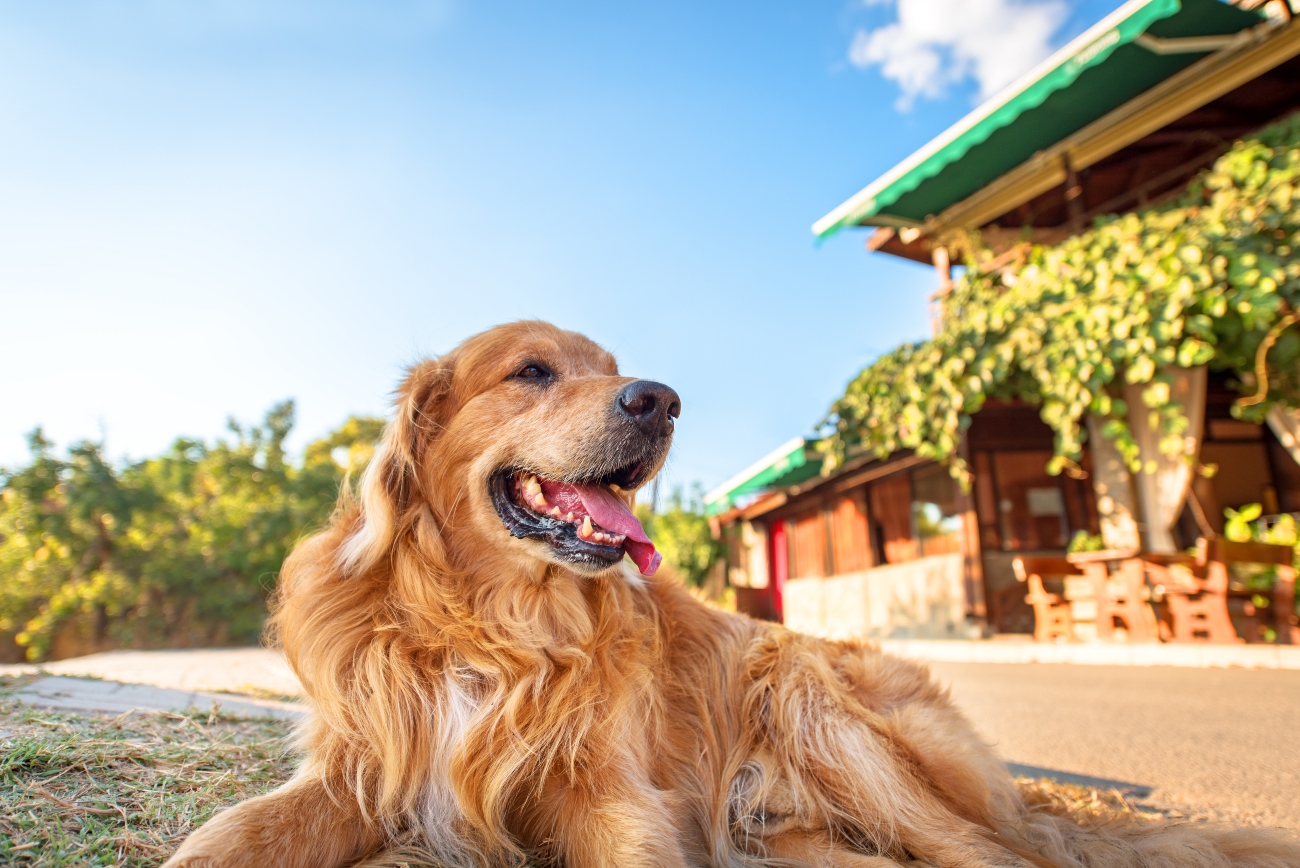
681	534
177	550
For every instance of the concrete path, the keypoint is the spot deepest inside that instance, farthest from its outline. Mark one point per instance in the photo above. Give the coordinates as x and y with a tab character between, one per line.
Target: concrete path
231	670
84	694
1222	741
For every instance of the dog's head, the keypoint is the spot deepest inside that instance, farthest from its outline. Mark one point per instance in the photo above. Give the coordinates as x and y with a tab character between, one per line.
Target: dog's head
524	439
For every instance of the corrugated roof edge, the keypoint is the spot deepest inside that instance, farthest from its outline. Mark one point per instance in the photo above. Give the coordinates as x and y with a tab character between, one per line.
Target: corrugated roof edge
1127	22
785	450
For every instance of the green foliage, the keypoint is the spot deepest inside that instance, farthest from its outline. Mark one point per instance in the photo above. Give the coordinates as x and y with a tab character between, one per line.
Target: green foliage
681	534
1238	527
1204	280
1083	541
1246	525
176	550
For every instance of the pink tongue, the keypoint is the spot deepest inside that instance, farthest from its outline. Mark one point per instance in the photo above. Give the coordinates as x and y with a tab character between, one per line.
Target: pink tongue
612	514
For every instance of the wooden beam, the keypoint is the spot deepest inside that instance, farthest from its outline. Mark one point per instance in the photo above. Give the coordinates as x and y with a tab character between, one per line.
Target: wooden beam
943	265
1073	194
882	236
880	471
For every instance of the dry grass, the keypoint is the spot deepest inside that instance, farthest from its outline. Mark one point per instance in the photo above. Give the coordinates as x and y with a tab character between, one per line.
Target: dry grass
1091	803
86	789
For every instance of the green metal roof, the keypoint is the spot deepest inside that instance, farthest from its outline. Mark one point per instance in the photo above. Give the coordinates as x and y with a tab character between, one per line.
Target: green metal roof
790	464
1101	70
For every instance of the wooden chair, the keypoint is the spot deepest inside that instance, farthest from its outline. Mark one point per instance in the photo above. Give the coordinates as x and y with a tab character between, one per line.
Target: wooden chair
1224	552
1196	594
1124	597
1052	619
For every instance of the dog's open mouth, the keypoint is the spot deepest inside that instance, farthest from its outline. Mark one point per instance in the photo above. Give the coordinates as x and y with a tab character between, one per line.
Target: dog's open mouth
584	522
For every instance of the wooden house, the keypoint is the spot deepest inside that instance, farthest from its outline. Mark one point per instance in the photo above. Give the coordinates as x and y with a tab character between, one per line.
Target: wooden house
1121	118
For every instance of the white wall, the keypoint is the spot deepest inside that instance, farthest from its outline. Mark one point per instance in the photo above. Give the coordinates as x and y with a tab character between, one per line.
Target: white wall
921	599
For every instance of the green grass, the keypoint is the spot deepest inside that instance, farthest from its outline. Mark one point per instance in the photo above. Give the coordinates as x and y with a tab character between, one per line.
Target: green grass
90	789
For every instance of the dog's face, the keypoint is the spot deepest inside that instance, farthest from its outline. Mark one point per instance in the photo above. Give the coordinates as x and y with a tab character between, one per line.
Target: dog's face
534	443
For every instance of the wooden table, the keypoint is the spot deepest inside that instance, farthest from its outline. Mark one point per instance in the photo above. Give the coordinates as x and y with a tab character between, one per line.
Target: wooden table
1117	579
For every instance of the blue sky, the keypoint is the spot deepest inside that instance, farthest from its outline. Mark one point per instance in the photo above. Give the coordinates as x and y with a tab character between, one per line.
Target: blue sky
207	206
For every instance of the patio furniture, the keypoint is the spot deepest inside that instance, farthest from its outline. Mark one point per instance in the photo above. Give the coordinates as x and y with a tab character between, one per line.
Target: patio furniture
1118	579
1224	552
1195	593
1052	618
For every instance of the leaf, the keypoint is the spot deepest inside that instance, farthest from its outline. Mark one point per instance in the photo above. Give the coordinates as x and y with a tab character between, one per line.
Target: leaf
1198	281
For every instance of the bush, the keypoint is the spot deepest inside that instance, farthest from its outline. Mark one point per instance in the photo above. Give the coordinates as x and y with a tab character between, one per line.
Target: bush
178	550
681	534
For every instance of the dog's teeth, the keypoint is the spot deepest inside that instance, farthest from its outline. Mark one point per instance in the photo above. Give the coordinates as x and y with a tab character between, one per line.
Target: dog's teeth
555	512
540	500
532	486
586	531
569	517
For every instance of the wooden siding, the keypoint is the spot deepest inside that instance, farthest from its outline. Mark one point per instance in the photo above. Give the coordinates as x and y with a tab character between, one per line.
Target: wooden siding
850	537
891	509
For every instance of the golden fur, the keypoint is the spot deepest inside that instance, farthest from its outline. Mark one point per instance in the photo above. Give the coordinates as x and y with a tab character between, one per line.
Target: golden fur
477	701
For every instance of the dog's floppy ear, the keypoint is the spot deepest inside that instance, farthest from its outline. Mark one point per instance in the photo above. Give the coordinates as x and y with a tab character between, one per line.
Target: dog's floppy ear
392	480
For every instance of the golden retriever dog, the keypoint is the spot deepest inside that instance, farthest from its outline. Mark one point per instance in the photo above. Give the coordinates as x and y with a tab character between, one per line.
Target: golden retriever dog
491	683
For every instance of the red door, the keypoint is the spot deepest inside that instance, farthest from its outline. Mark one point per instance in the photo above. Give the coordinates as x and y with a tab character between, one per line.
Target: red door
779	560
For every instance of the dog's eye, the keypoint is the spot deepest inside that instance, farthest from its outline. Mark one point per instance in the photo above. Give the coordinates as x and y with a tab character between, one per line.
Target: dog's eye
532	371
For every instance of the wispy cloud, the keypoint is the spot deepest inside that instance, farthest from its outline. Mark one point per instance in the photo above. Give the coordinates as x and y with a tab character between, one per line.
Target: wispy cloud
938	43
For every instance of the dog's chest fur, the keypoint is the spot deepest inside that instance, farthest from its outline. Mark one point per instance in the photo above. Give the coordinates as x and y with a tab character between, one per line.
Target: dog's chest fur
494	741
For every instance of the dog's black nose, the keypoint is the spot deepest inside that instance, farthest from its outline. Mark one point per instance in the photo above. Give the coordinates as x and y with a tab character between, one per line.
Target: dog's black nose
652	406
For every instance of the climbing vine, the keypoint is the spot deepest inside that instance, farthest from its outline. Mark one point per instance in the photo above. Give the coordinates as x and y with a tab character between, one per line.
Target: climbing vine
1206	279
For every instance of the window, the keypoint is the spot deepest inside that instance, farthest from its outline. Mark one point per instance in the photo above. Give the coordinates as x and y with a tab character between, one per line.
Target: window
935	513
746	555
1031	506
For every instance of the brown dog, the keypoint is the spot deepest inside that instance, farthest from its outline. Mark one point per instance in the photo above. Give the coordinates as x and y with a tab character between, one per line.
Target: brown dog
491	683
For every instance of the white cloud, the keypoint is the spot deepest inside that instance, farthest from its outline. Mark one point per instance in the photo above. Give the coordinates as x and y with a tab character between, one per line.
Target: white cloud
938	43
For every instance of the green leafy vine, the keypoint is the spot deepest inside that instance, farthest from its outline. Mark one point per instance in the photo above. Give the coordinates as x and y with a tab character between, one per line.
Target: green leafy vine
1204	280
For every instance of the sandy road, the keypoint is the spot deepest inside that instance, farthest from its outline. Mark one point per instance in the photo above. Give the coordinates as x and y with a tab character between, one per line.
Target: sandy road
1226	741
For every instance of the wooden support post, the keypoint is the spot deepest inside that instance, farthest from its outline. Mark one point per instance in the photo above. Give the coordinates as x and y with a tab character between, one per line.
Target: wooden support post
1073	194
943	265
972	554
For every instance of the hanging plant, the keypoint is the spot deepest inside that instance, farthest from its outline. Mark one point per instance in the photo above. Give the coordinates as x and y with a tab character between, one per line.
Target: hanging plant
1213	278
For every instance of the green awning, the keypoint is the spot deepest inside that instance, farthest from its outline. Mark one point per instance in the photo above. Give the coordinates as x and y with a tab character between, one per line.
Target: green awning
1098	72
790	464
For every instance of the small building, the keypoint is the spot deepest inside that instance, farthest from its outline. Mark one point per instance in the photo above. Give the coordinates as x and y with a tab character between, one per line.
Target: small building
1120	119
